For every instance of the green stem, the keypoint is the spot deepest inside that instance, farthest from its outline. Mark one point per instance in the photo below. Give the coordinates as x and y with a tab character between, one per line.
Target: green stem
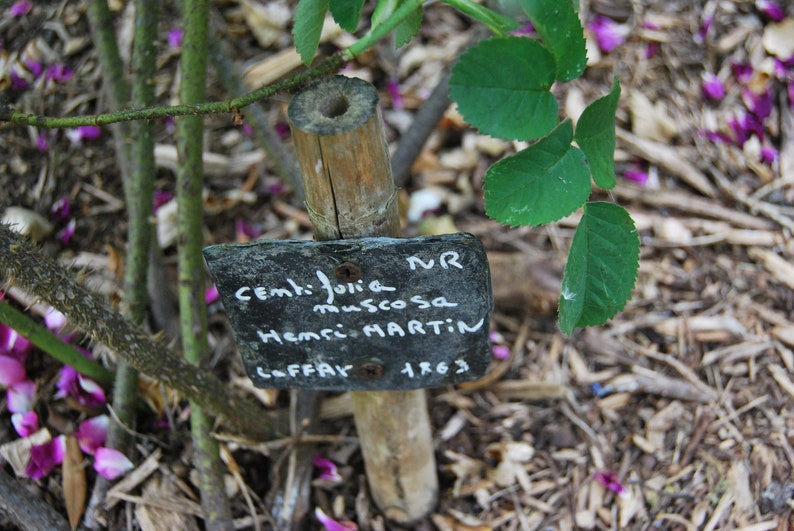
192	308
496	22
52	344
289	84
381	30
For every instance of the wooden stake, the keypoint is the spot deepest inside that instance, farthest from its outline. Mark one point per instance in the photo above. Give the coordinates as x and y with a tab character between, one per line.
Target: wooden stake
338	132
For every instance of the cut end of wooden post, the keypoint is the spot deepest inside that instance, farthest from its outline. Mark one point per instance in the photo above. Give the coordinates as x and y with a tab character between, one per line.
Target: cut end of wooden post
333	105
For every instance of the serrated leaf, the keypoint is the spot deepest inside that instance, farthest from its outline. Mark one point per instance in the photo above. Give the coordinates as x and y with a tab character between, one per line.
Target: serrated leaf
543	183
408	28
347	13
558	25
501	86
595	134
601	268
309	18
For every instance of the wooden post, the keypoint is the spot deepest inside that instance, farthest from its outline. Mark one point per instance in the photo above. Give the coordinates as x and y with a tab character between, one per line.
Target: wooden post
338	131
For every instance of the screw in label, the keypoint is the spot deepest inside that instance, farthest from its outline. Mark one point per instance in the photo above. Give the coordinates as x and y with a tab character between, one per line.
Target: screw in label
348	272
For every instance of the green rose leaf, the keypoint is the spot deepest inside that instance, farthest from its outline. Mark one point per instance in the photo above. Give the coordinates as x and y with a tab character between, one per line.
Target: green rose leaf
346	13
558	25
595	134
309	18
543	183
602	267
501	86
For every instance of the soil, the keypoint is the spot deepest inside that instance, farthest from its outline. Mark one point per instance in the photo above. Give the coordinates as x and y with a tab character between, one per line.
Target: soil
684	398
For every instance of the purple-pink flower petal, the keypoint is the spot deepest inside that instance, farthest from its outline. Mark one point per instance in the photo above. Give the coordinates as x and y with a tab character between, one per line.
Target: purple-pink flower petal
43	142
54	320
609	480
17	81
705	29
110	463
159	198
608	33
758	104
500	352
25	424
85	391
59	73
327	468
19	397
211	294
769	154
332	525
393	86
12	371
175	37
637	175
66	234
92	433
44	457
771	9
743	72
713	88
20	8
61	210
12	344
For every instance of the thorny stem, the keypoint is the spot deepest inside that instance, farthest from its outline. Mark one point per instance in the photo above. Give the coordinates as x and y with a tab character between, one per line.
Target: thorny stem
23	265
192	308
325	67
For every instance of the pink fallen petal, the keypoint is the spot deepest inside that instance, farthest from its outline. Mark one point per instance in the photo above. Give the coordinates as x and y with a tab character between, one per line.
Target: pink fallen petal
12	344
705	29
608	33
332	525
85	391
772	10
745	125
713	89
54	320
20	8
211	294
18	82
743	72
25	424
61	210
394	91
760	104
718	137
66	234
43	143
609	480
175	37
769	154
45	457
90	132
12	371
245	231
160	197
282	130
58	73
20	396
524	31
34	67
496	337
636	175
328	469
110	463
501	352
92	433
652	49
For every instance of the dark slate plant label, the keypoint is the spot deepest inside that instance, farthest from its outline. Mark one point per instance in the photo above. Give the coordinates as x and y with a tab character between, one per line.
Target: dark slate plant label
364	314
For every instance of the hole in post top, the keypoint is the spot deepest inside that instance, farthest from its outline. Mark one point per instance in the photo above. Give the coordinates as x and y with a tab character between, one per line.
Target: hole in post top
334	106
